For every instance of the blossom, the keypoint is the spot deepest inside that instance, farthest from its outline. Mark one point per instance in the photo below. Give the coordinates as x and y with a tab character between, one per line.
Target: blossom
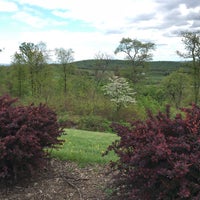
119	91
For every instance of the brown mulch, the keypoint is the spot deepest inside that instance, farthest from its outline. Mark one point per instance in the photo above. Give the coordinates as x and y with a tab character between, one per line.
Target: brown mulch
62	180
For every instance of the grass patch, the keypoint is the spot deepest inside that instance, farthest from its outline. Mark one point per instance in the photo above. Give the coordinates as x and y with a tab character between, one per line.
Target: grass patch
85	147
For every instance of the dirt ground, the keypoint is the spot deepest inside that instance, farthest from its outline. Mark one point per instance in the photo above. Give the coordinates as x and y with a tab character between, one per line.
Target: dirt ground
62	180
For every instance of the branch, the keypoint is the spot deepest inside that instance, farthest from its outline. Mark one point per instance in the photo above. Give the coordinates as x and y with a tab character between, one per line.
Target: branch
74	186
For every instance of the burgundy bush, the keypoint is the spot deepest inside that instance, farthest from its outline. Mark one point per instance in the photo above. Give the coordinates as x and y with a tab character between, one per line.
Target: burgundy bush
24	133
159	158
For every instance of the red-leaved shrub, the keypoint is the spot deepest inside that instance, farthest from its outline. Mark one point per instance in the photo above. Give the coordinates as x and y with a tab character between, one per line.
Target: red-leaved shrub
159	158
25	133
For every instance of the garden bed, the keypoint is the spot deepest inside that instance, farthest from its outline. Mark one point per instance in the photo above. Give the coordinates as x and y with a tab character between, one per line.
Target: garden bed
62	180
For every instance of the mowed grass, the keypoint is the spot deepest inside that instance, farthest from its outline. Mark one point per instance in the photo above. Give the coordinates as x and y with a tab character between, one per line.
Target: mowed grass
85	147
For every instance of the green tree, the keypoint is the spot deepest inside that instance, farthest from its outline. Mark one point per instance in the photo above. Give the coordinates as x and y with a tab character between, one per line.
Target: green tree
19	78
119	91
191	40
35	57
138	53
175	86
64	58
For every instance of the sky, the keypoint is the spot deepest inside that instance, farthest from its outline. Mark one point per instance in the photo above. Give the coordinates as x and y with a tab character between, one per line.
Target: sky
92	26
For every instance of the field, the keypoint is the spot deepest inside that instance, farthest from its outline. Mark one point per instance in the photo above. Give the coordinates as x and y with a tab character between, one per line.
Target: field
85	147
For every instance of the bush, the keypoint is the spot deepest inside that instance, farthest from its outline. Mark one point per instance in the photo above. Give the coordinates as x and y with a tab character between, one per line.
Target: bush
67	122
94	123
25	133
159	158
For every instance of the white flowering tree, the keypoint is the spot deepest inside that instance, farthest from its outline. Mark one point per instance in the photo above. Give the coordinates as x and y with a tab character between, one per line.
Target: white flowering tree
119	91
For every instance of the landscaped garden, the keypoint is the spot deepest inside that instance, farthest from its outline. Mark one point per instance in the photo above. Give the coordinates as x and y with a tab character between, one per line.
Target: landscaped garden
100	131
156	158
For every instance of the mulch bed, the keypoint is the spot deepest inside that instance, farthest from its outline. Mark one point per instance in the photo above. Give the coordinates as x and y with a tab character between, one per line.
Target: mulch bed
61	180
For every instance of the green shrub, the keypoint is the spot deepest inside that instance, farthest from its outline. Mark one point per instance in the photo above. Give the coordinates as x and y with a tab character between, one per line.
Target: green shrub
94	123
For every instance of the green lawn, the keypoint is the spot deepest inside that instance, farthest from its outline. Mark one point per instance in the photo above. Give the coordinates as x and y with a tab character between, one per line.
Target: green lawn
85	147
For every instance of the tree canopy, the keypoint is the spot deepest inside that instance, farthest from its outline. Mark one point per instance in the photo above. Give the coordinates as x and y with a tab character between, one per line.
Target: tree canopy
138	53
135	50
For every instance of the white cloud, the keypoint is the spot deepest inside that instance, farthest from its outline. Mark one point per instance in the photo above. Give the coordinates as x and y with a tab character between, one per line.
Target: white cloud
102	14
30	20
6	6
105	14
64	23
36	21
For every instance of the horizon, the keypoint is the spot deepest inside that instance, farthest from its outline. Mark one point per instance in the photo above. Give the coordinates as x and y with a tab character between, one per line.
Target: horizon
177	61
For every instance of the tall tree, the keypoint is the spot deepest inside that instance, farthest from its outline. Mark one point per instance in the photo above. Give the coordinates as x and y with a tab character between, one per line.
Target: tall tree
35	57
137	52
191	40
19	75
64	58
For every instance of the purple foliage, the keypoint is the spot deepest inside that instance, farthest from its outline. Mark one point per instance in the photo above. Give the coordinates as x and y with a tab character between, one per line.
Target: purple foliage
24	133
159	158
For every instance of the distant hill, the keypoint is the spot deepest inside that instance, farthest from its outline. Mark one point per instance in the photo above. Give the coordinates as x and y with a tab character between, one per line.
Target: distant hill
91	64
156	70
153	65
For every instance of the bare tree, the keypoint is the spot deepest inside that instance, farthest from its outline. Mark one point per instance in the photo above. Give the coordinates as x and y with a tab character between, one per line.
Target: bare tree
102	61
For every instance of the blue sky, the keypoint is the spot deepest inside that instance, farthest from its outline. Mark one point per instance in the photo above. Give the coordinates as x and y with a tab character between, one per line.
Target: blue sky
92	26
